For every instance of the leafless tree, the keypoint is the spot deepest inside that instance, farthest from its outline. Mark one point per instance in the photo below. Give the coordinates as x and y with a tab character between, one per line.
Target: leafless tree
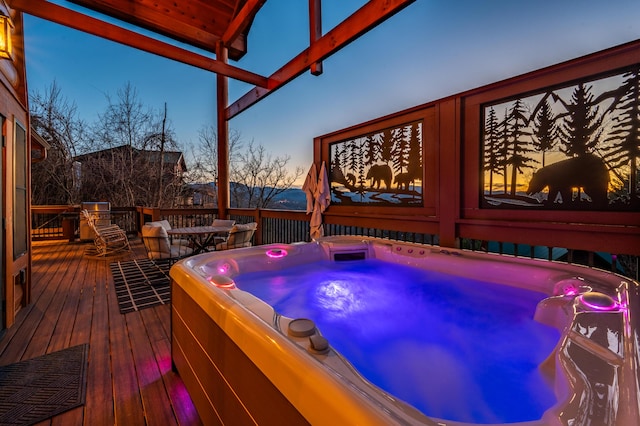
259	177
55	119
256	176
204	167
124	161
125	157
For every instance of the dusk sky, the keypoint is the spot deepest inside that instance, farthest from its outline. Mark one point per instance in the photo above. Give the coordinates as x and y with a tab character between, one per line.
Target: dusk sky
430	50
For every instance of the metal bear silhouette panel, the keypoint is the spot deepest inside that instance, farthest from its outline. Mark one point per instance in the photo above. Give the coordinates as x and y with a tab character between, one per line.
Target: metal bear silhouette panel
566	148
380	168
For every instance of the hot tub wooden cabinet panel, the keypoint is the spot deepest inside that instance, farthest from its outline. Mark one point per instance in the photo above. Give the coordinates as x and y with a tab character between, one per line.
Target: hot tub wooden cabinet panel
225	386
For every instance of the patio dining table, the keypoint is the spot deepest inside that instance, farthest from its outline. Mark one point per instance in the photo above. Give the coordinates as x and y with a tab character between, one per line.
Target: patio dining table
201	237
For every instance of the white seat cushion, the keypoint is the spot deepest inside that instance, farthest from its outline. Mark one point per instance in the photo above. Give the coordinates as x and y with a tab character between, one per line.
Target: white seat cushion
156	240
239	236
223	222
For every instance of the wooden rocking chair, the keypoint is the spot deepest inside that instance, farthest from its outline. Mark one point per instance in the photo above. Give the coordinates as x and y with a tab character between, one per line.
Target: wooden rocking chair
109	239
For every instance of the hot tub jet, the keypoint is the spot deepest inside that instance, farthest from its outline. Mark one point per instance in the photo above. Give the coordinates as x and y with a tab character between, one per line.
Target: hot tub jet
222	281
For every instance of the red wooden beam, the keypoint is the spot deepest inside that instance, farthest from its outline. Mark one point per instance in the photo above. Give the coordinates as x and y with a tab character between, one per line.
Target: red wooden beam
222	100
72	19
241	21
315	30
364	19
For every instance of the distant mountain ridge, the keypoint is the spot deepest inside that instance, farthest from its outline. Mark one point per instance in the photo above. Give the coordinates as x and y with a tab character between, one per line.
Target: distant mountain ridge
289	199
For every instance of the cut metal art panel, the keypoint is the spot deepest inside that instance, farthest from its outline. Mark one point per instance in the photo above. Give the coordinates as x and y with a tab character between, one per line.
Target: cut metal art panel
574	147
382	168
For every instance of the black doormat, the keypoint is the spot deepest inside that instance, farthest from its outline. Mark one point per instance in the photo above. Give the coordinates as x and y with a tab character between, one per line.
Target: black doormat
140	284
34	390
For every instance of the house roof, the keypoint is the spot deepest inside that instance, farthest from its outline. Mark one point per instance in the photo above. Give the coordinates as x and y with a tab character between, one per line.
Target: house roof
170	157
38	140
39	147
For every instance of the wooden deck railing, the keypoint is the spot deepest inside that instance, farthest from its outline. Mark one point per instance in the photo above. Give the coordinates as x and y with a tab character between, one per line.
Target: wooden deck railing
63	222
286	226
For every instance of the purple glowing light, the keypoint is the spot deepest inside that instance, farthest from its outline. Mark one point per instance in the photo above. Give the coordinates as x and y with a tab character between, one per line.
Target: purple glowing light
222	281
571	287
571	291
276	253
223	269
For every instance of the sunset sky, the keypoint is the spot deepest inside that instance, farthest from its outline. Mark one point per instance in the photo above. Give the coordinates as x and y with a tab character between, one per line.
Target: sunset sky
431	49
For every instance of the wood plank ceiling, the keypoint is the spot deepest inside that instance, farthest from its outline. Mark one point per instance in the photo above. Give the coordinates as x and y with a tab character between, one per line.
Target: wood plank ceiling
199	23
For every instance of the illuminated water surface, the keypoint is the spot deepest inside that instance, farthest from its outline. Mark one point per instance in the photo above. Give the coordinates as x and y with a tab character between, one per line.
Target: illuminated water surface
454	348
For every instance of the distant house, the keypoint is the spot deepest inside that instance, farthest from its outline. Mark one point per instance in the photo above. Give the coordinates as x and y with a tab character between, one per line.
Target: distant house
204	194
173	162
125	175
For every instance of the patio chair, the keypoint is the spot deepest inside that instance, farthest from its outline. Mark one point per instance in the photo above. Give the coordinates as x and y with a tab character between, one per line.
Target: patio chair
239	236
223	222
175	240
105	228
159	247
109	239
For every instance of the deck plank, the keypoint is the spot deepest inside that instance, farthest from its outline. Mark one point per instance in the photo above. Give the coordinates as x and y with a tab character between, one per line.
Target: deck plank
128	404
76	330
36	325
152	389
99	403
129	376
13	349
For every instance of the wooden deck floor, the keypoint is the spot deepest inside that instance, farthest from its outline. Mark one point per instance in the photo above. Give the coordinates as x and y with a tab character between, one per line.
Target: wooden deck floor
129	381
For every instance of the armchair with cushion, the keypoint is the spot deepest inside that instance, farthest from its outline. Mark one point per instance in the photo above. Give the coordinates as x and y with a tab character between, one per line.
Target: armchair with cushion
175	240
239	236
159	246
223	222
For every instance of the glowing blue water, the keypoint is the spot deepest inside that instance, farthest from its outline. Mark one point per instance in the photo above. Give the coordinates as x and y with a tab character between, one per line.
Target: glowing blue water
454	348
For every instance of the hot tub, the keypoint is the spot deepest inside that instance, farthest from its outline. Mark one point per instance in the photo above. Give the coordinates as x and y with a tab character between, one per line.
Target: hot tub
244	362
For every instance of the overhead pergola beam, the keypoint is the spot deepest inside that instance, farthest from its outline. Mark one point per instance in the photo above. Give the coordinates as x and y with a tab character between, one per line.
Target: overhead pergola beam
81	22
315	30
242	20
364	19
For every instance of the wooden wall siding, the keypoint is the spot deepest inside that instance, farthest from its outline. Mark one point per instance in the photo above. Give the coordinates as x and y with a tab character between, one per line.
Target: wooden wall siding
456	203
16	270
12	72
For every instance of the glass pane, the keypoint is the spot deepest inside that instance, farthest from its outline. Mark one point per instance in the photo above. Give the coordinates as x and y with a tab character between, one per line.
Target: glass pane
20	193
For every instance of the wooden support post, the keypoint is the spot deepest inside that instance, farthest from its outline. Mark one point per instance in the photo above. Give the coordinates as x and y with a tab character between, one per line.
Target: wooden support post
222	96
315	31
449	188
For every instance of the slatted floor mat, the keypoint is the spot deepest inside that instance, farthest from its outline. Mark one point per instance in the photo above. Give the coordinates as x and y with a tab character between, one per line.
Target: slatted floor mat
39	388
140	284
